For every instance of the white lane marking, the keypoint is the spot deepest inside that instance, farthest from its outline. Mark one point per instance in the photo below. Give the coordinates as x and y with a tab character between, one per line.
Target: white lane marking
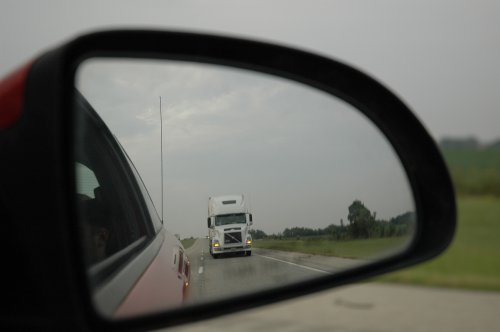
200	270
298	265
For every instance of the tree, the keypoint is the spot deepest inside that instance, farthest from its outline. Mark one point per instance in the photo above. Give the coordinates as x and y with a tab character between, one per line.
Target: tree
360	219
257	234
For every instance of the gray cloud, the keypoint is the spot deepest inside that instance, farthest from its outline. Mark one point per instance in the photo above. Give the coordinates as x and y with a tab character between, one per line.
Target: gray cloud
301	156
442	58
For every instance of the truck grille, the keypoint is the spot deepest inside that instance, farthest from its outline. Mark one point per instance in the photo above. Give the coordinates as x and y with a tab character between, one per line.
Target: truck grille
233	237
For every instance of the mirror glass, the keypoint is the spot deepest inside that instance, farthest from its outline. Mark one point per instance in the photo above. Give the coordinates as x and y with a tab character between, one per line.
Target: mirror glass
262	182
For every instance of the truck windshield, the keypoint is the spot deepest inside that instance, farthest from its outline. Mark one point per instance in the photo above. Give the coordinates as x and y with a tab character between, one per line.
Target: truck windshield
226	219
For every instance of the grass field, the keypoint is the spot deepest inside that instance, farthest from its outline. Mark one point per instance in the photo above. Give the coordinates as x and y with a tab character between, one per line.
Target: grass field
473	158
473	259
474	171
347	249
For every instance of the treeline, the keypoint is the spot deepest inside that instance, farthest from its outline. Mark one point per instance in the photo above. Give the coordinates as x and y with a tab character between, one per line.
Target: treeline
467	143
362	224
474	166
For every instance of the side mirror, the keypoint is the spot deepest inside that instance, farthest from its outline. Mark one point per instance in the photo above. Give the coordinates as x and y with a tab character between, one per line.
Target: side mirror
250	219
333	151
209	223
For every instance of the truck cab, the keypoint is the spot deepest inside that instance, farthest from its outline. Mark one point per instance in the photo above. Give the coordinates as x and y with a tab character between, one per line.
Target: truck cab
229	224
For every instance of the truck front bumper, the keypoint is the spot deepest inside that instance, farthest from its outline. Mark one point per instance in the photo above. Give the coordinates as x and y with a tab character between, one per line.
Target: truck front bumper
221	250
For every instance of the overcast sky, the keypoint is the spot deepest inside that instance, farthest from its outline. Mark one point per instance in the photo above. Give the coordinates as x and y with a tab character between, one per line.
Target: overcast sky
442	58
299	156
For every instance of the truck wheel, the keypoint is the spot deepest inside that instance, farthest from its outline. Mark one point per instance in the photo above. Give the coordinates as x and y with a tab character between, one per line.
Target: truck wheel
215	256
249	253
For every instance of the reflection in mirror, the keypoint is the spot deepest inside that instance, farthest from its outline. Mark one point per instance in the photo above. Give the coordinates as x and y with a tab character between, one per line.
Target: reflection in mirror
267	182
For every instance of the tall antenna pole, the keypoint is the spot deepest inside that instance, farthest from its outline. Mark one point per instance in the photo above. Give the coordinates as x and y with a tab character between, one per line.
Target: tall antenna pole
161	158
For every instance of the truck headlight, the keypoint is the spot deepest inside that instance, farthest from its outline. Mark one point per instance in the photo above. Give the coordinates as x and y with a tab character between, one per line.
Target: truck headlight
249	242
216	244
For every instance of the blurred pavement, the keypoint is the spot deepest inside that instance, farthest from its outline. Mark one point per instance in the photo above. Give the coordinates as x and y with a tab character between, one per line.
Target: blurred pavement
370	307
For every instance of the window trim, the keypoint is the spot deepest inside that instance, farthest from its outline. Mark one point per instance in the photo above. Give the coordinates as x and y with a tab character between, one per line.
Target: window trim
109	295
111	280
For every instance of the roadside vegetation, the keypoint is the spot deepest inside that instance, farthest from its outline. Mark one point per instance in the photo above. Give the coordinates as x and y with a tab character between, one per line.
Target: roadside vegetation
361	248
473	259
363	236
362	224
475	168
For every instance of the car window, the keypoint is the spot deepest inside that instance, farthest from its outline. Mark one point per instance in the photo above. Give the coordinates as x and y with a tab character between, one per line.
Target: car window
157	222
112	215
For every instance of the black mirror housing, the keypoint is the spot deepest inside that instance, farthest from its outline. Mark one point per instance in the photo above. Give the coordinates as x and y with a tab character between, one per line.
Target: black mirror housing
46	233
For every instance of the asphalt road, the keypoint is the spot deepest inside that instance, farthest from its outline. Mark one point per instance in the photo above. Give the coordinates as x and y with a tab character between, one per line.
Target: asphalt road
369	307
234	274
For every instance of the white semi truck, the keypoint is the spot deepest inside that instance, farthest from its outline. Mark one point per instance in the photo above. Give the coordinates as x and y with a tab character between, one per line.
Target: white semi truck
229	224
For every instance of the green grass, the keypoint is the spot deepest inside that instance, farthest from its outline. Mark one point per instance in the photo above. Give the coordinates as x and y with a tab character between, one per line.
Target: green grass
474	171
186	243
473	259
347	248
473	159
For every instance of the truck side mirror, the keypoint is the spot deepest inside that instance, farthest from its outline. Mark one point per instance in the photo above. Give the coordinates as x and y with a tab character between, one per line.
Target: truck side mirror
208	222
250	219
